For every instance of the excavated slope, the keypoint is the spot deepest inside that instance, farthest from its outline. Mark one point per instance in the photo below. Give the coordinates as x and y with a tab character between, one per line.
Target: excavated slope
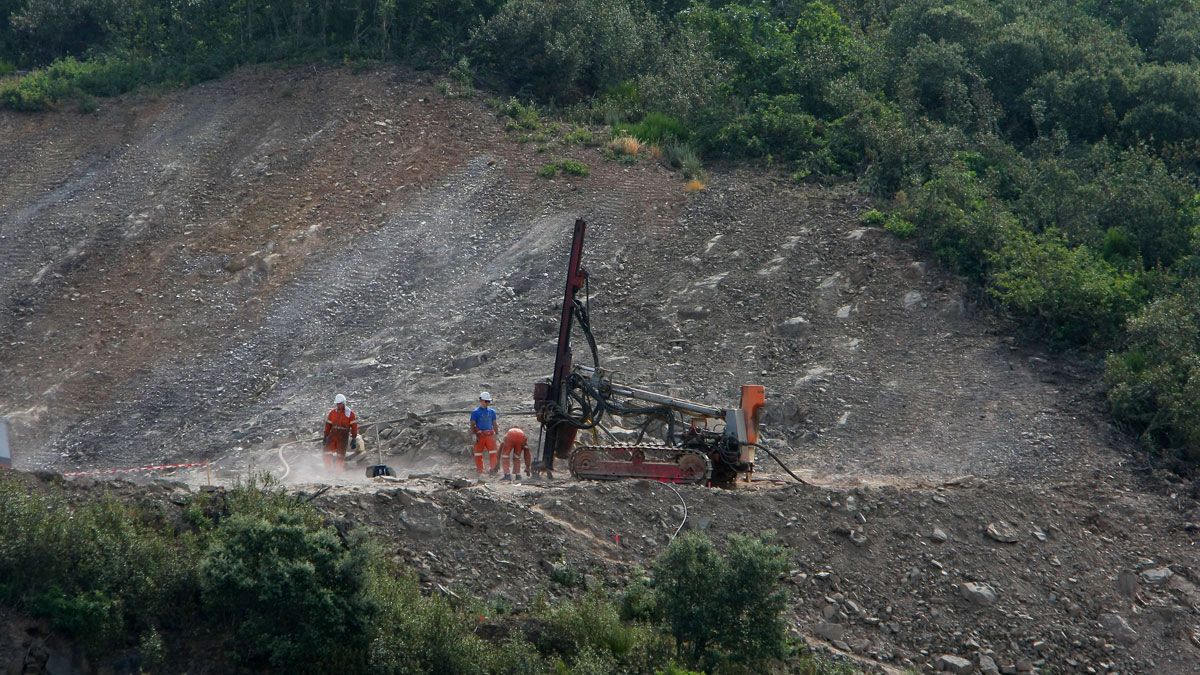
193	275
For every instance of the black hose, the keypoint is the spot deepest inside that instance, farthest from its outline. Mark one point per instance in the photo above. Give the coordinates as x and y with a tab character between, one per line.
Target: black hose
780	463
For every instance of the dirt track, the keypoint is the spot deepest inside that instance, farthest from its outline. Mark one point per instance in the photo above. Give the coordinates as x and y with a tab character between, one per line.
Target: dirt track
192	276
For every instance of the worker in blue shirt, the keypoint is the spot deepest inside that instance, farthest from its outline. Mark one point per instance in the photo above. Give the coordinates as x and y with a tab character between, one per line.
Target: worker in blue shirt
483	425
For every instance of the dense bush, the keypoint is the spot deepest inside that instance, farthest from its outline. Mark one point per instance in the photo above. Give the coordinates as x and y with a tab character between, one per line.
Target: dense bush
292	594
265	575
1072	294
957	219
1154	382
566	50
100	573
740	613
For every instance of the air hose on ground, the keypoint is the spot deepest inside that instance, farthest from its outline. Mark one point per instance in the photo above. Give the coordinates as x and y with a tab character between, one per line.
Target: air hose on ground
779	462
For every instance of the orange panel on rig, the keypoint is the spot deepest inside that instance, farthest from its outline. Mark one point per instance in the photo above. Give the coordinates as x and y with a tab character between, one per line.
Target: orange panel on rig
754	396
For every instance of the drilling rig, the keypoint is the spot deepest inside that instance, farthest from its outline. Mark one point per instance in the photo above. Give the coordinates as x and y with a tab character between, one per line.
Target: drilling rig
699	443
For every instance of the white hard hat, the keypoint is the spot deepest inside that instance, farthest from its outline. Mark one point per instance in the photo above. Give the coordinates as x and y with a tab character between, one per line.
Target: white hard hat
484	396
340	398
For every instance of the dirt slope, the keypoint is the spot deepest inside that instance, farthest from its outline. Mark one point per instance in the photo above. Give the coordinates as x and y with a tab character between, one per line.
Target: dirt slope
194	275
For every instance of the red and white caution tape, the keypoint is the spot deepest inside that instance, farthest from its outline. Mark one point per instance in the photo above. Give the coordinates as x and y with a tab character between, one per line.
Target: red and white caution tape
139	469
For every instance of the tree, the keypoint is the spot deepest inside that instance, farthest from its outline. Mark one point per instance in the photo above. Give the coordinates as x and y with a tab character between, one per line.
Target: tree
731	604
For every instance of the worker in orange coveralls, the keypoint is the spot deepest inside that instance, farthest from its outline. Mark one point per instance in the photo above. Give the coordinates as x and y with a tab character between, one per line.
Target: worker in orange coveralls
341	430
515	444
483	426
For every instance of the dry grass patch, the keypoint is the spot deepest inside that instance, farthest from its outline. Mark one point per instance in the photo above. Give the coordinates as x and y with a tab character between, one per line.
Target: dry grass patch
625	145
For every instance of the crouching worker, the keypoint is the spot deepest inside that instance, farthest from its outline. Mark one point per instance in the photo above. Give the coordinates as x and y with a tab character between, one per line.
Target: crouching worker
341	431
483	426
514	445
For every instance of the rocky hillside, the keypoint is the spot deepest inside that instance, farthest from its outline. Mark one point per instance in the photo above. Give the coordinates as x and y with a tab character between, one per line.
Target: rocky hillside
193	275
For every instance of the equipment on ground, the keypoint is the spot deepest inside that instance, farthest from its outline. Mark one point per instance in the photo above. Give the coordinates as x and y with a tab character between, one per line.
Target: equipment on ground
699	443
379	469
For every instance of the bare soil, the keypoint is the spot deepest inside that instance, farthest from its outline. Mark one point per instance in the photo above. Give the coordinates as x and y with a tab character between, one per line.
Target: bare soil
193	275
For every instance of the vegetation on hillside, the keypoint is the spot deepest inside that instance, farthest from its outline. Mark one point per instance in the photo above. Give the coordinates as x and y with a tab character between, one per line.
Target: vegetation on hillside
1047	150
261	580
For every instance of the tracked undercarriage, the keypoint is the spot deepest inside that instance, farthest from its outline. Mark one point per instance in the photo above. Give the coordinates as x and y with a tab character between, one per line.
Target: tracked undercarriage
655	462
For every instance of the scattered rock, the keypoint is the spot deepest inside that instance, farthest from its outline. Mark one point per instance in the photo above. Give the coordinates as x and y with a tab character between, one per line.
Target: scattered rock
1121	630
1156	576
469	361
797	326
987	665
954	664
981	595
912	299
830	631
939	535
1003	532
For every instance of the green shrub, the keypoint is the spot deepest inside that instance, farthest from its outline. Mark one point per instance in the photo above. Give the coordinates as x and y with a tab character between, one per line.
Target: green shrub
96	570
874	218
573	167
1154	382
876	137
774	55
741	613
293	595
68	78
655	128
570	166
152	649
685	78
771	126
516	656
620	102
580	136
938	80
410	633
1072	295
93	617
899	226
518	115
957	219
638	602
463	75
1137	192
1165	105
592	625
566	50
684	157
565	574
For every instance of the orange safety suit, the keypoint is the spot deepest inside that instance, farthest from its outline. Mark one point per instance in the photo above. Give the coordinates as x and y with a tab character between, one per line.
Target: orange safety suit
515	444
486	441
340	426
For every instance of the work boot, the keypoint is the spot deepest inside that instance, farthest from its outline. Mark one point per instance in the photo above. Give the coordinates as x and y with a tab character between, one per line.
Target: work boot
507	477
495	470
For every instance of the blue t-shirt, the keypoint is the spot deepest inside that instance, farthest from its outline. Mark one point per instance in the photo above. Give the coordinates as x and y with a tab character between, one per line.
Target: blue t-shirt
484	419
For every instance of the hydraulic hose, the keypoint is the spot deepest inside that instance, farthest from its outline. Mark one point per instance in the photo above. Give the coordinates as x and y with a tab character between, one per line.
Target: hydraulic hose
779	462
